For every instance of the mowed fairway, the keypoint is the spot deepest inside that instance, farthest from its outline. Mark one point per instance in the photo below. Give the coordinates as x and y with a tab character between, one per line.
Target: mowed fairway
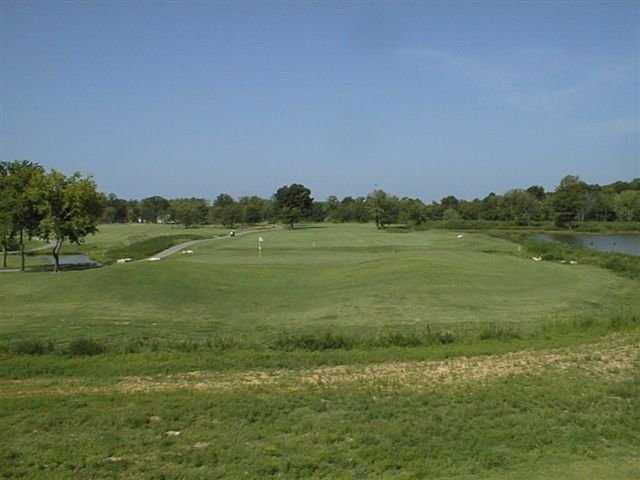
323	277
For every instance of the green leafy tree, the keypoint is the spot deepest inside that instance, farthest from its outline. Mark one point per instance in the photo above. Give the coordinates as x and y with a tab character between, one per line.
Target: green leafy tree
451	215
253	209
189	211
569	201
230	215
7	208
72	209
154	209
627	205
384	208
293	202
24	180
521	206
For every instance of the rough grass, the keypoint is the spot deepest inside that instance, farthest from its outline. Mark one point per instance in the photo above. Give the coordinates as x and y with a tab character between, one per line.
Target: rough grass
627	265
501	417
587	227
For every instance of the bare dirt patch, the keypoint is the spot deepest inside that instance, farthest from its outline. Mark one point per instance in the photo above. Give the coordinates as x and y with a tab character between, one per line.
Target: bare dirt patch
614	358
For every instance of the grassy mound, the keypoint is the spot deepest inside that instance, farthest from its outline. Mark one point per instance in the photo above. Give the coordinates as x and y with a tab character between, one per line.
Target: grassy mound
148	247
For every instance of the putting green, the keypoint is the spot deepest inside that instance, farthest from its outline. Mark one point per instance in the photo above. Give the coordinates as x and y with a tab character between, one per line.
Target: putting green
343	276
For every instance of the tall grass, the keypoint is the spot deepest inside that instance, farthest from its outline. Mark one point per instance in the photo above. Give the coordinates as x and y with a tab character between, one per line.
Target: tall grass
341	339
626	265
586	227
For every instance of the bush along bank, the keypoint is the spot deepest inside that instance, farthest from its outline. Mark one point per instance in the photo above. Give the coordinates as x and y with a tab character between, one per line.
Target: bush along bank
626	265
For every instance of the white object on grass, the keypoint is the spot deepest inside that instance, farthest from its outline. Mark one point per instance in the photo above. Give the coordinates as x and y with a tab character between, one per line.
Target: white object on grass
460	236
536	259
187	252
573	262
153	259
123	260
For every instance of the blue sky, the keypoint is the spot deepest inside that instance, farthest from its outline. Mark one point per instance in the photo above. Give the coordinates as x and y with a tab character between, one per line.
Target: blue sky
419	98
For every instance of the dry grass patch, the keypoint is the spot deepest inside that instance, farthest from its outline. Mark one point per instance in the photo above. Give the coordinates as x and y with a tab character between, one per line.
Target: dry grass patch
614	358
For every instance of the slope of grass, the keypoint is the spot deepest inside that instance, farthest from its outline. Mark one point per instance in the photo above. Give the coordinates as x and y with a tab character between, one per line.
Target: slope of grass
148	247
553	414
340	278
126	240
326	356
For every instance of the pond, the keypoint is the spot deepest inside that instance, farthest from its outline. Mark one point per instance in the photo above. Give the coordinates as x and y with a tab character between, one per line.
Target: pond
627	243
69	260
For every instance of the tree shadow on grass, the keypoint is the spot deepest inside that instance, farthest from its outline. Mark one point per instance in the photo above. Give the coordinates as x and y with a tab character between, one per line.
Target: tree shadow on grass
302	226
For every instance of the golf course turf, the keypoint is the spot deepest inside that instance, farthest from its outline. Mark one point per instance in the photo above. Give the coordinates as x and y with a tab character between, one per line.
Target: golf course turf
339	351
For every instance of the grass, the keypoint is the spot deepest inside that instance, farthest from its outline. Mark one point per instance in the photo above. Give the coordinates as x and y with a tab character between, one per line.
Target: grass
339	352
556	423
626	265
340	278
138	240
115	241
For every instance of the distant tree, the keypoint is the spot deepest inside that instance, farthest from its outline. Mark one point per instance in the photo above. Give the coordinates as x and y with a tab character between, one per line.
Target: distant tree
134	211
470	210
449	202
72	209
569	201
451	215
116	209
154	208
412	211
521	205
317	212
223	200
384	208
490	209
332	209
293	202
627	205
188	211
224	210
253	209
537	191
109	214
231	214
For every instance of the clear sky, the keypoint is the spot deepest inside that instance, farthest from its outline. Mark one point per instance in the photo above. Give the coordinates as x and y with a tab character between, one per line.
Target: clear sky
419	98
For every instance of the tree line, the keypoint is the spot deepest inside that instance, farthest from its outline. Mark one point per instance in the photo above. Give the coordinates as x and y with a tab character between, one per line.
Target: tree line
572	201
59	208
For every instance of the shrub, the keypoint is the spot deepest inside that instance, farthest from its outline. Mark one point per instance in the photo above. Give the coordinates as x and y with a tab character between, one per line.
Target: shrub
397	339
445	337
326	341
85	347
499	332
33	347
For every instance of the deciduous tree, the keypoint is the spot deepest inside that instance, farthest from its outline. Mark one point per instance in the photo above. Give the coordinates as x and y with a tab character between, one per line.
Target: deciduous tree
72	209
293	202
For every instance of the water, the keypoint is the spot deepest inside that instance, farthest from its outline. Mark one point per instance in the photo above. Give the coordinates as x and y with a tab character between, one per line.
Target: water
628	244
66	260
